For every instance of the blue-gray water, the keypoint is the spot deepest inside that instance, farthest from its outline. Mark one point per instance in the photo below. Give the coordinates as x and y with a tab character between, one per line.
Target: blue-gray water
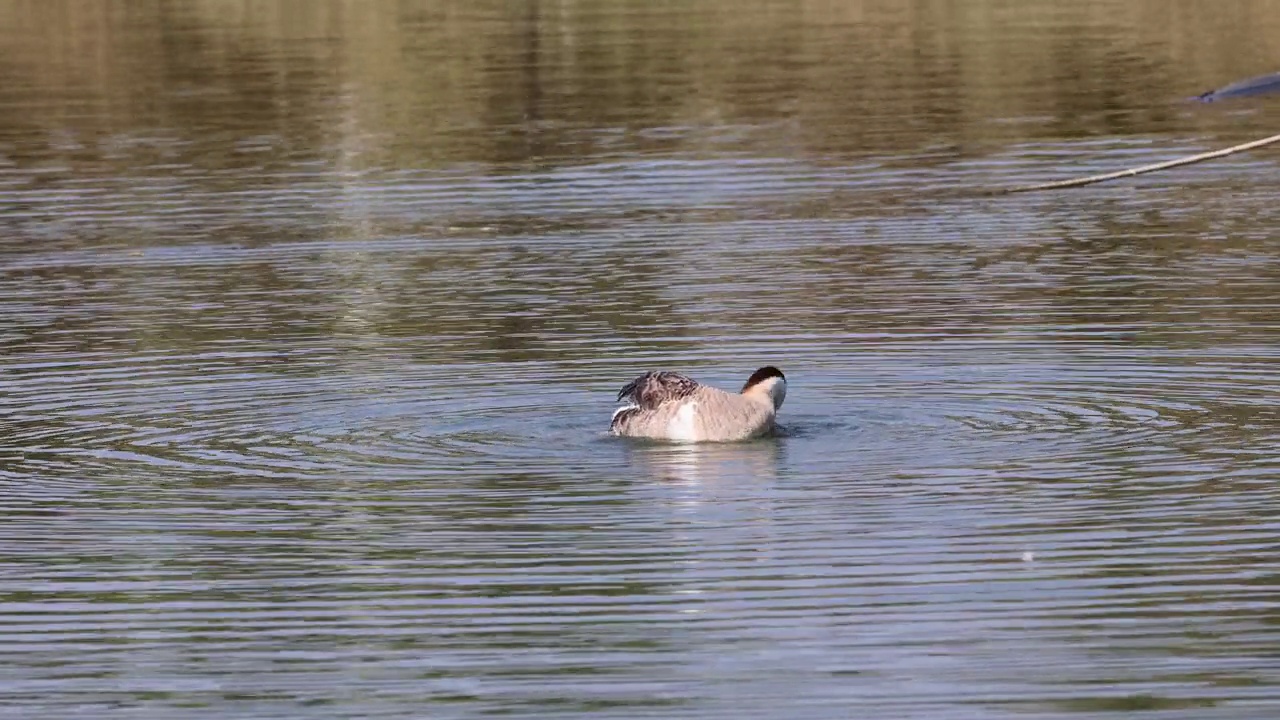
312	315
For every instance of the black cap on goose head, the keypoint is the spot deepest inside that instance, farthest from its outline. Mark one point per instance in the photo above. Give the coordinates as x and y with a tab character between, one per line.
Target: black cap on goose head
764	373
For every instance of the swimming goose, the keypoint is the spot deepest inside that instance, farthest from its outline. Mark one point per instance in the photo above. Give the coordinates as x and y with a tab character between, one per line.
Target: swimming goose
670	406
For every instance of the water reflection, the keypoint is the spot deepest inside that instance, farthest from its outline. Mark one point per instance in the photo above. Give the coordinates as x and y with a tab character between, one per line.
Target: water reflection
709	467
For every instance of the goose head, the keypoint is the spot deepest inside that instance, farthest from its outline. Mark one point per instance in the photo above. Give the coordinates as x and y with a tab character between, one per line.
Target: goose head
769	383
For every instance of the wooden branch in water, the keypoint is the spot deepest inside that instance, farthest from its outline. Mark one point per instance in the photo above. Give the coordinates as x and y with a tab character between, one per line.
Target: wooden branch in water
1188	160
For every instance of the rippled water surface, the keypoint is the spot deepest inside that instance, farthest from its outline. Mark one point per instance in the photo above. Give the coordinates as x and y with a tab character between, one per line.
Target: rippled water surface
312	315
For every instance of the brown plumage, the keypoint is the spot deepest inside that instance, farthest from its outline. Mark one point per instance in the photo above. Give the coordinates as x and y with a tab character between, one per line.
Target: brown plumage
671	406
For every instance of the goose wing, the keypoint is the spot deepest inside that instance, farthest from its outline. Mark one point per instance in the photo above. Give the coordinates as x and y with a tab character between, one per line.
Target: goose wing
657	387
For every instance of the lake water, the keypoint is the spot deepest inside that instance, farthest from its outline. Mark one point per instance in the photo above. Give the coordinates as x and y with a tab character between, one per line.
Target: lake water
312	315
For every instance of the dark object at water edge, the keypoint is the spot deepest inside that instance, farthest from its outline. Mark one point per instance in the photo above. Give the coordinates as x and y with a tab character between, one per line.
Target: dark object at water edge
1245	88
